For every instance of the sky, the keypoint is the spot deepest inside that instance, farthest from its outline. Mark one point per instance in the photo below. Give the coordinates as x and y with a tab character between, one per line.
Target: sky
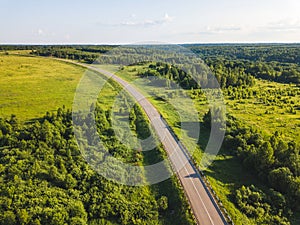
136	21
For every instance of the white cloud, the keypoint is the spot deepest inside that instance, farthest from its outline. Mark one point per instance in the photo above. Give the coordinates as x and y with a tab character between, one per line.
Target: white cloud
146	23
284	25
219	30
40	32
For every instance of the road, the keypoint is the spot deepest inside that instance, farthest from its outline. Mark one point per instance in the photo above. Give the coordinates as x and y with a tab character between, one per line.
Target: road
202	203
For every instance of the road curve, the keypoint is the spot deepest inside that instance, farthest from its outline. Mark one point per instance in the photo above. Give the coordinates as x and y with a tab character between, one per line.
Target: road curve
203	205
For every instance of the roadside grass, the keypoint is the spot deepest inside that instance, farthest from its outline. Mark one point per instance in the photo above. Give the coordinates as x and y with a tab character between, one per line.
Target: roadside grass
31	86
178	211
227	174
175	106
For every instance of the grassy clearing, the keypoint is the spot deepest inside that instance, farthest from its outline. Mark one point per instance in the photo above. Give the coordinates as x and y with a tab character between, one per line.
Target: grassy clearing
271	117
266	118
31	86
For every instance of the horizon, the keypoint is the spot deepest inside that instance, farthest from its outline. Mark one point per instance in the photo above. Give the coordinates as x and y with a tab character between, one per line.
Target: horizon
123	44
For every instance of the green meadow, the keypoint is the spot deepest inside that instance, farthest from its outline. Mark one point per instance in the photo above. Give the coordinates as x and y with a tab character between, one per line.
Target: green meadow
31	86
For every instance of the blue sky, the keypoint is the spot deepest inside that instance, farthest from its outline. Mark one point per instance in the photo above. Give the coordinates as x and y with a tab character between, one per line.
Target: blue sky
131	21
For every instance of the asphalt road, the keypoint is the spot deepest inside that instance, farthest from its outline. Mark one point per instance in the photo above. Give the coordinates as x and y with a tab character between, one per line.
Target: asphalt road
202	204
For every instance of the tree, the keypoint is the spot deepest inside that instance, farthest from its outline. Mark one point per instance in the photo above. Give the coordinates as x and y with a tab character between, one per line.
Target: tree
8	218
162	203
23	216
280	179
264	157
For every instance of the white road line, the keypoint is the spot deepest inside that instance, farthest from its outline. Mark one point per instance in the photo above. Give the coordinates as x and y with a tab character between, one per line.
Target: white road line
192	181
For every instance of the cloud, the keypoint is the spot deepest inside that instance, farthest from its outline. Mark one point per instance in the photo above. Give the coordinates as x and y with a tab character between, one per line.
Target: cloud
40	32
284	25
219	30
147	23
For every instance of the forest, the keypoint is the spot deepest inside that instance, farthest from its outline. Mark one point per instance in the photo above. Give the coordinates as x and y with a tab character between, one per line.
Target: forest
278	63
45	179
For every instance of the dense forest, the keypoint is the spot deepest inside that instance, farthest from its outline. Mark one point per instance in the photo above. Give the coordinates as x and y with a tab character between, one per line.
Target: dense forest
285	53
271	62
45	179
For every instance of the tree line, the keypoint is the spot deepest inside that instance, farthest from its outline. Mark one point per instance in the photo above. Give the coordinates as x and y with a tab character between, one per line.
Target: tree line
278	63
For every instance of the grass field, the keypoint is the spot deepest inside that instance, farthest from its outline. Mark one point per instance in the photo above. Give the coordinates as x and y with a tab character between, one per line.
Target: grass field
271	117
31	86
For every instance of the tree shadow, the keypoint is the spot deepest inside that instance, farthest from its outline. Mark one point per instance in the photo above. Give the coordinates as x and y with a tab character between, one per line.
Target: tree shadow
33	120
230	172
194	175
196	130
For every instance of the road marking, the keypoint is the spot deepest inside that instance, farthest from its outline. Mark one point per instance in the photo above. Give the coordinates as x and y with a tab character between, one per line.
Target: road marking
191	180
134	92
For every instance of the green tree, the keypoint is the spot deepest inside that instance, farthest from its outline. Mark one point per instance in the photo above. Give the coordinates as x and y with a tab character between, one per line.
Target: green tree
280	179
162	203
